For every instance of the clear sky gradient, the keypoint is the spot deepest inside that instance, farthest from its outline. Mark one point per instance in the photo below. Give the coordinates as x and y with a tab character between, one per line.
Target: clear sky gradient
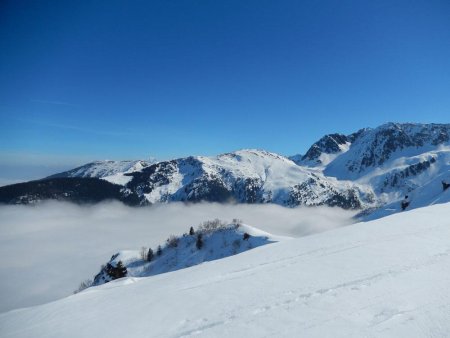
85	80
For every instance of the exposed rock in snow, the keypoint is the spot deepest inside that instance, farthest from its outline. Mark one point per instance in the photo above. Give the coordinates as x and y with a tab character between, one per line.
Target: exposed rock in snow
365	170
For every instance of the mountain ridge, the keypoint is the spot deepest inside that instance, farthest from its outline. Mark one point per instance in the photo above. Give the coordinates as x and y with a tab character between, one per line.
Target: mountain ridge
367	169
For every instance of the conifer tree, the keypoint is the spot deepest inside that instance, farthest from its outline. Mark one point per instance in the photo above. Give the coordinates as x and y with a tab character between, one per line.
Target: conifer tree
199	243
121	270
150	255
118	271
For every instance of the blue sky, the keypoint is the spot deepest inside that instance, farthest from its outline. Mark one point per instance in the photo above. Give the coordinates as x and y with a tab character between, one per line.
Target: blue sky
84	80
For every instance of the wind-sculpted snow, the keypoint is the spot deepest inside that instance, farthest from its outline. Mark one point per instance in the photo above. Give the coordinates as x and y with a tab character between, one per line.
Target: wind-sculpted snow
385	278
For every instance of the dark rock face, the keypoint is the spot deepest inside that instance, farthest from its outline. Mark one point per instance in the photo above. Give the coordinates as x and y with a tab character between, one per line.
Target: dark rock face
207	188
329	144
377	146
248	190
149	178
305	194
73	189
398	178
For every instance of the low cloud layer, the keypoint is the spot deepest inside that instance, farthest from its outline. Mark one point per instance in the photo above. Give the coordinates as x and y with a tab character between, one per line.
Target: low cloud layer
47	250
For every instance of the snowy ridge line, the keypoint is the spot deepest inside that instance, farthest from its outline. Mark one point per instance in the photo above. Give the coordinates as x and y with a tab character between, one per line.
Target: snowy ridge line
369	170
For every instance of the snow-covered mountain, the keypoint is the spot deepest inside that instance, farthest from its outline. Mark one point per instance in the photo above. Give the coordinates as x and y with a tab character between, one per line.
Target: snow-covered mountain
366	170
382	147
393	160
112	171
384	278
326	149
245	176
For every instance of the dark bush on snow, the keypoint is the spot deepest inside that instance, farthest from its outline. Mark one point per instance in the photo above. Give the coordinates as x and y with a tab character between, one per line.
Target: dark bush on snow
117	271
199	243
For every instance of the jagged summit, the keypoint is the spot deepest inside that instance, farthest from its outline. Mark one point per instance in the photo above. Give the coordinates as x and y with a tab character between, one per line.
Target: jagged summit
326	149
383	145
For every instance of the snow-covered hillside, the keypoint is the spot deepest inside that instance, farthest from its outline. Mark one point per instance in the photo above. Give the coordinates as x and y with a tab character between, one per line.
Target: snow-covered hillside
112	171
385	278
212	240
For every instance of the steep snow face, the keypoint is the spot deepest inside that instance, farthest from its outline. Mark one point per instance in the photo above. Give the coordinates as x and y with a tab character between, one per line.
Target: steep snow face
206	244
381	147
397	160
327	149
249	176
385	278
426	189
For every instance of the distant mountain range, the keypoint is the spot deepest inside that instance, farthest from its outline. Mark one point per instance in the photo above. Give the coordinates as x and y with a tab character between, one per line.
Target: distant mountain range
370	170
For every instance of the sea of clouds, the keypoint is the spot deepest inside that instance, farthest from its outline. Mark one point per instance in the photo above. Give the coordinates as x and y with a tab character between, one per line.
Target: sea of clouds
48	249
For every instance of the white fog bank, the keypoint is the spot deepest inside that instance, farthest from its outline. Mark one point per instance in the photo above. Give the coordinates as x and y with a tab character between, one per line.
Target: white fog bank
47	250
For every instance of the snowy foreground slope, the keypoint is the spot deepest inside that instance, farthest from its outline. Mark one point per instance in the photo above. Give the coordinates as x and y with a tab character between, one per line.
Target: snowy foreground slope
385	278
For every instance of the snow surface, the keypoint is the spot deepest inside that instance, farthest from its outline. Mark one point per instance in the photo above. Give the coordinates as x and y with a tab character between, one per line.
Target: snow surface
58	245
224	241
385	278
106	168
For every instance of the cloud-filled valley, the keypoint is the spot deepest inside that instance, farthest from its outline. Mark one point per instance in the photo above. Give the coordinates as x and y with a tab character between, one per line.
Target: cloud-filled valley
48	249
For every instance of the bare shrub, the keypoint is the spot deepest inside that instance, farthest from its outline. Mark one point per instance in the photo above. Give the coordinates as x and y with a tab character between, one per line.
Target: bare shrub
150	254
143	253
212	225
172	241
238	222
84	285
